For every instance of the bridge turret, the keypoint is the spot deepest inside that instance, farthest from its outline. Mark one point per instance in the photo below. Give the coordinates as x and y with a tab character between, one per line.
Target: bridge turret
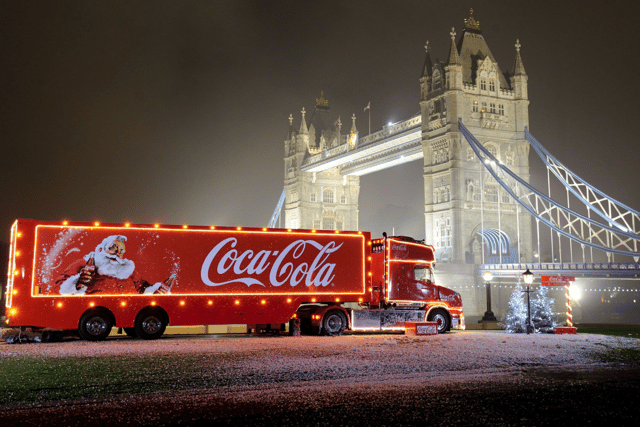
425	78
518	81
303	125
454	68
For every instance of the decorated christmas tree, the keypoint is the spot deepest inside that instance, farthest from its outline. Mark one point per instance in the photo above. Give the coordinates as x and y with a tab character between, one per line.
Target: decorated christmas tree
516	318
542	311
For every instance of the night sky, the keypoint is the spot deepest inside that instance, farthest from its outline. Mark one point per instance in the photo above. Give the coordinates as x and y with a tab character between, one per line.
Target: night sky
176	112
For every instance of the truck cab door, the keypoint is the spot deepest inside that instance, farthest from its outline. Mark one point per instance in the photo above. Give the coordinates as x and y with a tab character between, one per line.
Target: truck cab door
412	282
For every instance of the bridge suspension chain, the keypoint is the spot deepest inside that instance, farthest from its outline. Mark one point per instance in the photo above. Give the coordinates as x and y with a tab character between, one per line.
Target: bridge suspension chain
608	208
563	220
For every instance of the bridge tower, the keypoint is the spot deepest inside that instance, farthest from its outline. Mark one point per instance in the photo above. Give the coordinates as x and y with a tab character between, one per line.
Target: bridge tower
319	200
466	212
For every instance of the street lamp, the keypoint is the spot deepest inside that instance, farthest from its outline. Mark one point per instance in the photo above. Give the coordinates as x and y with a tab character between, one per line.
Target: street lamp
528	280
488	315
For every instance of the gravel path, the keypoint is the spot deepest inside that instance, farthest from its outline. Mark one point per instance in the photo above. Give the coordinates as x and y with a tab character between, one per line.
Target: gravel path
460	378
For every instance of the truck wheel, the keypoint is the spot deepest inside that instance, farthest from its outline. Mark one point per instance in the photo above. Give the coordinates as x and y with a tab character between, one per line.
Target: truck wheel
334	323
150	324
95	325
440	316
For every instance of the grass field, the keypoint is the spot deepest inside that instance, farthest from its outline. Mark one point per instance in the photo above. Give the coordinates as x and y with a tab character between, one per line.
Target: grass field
630	331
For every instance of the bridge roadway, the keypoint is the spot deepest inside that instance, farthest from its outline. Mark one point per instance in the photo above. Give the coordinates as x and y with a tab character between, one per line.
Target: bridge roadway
395	144
605	270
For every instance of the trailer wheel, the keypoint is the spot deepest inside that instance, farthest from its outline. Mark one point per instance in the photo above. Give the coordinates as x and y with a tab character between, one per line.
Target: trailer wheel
95	325
150	324
440	316
334	323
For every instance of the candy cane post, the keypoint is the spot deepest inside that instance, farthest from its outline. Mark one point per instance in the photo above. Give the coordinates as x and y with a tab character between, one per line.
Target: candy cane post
568	303
566	282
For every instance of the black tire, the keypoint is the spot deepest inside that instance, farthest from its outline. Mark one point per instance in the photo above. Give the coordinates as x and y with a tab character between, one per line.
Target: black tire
95	325
334	323
442	318
150	324
131	332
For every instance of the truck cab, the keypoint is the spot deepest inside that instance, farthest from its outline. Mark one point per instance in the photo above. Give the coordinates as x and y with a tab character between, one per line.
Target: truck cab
403	280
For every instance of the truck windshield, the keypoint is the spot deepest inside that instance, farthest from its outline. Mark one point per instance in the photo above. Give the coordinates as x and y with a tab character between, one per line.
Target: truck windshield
423	274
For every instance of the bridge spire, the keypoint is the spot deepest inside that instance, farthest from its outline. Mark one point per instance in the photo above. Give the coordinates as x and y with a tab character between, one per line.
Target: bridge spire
303	125
518	67
519	76
427	68
353	124
454	58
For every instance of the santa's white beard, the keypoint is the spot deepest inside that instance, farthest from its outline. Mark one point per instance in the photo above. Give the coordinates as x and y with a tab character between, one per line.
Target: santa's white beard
113	265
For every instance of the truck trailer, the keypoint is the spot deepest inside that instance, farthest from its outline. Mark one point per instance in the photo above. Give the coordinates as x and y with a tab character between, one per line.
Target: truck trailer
91	277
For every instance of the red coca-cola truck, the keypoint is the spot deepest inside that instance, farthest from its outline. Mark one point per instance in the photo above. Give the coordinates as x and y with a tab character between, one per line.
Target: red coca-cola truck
91	277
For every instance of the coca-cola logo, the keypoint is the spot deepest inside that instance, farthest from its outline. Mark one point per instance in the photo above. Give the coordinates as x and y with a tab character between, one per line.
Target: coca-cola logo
287	266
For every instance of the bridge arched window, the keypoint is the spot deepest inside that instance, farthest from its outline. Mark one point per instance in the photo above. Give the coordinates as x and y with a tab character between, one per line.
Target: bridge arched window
506	198
491	194
437	80
492	108
343	199
448	233
484	107
492	86
471	155
475	107
312	197
476	194
327	197
492	149
470	190
501	109
483	84
510	157
328	223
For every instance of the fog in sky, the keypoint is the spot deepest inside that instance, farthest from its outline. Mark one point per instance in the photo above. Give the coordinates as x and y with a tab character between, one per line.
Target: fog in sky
176	112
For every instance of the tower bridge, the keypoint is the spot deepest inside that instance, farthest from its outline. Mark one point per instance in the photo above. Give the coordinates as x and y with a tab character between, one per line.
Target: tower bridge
480	211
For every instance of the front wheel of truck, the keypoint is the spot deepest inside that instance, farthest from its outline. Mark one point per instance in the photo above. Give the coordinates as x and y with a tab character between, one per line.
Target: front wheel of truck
441	317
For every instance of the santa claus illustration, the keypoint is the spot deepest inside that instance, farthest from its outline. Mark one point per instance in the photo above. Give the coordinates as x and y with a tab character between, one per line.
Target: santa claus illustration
106	271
